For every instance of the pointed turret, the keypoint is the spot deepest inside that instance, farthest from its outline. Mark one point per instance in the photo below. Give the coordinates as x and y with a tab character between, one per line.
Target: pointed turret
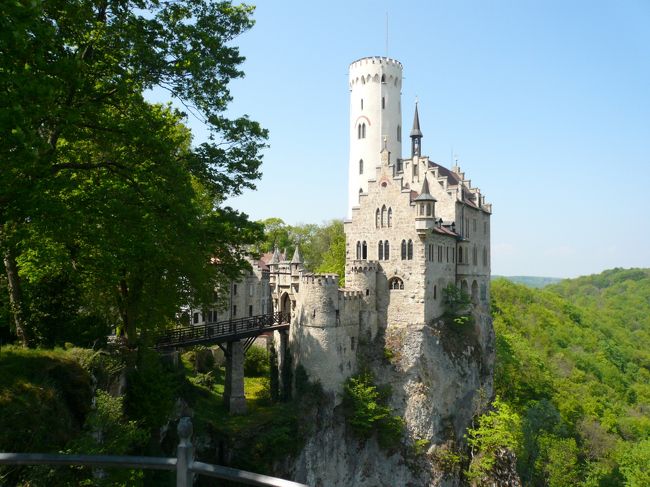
416	134
425	207
297	257
275	260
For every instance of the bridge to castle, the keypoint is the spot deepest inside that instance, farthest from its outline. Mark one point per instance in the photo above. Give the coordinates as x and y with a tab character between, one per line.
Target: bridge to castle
234	337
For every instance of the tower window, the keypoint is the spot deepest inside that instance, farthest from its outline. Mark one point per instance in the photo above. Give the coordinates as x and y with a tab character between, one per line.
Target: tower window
383	216
435	291
360	166
377	218
390	217
395	284
359	131
409	250
364	250
386	250
363	130
380	250
358	250
361	103
383	102
383	78
403	250
399	133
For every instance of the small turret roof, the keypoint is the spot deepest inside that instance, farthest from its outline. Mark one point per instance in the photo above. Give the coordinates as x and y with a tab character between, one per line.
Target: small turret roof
276	256
415	131
424	194
297	258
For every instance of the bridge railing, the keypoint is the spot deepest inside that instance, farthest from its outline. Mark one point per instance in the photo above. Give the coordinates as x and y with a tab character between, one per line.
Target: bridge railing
183	464
207	331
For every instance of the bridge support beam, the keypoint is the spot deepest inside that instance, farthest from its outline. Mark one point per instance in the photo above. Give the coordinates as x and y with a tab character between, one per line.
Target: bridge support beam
233	394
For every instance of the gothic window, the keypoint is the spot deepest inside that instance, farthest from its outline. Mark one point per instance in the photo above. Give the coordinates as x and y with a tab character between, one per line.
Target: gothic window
386	250
359	131
474	255
390	217
460	255
380	251
435	292
453	254
395	284
364	250
358	250
485	257
399	133
360	166
409	250
403	249
363	130
383	216
377	218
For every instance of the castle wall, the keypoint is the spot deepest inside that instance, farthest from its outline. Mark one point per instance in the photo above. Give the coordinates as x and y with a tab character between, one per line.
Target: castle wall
325	331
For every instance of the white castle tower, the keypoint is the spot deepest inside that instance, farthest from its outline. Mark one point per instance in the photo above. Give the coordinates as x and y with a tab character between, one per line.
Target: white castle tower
375	119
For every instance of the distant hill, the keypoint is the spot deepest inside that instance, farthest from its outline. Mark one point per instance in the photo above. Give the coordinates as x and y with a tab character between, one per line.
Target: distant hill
531	281
573	361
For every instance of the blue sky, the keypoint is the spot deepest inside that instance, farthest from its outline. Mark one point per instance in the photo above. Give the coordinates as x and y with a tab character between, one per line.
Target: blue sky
546	103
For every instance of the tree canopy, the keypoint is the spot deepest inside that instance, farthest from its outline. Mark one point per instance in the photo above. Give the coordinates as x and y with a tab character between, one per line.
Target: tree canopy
102	192
573	362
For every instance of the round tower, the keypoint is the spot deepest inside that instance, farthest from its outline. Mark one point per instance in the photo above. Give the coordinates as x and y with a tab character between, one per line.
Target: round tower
375	119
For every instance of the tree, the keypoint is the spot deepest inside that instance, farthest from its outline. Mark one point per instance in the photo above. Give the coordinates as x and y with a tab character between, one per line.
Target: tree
105	186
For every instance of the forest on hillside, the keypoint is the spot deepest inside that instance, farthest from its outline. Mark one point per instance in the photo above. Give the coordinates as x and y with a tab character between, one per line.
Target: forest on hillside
573	371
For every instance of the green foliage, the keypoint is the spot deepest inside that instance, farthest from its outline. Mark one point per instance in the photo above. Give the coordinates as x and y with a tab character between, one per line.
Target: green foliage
634	460
274	375
447	460
151	389
322	246
457	305
256	363
572	360
103	192
367	412
498	429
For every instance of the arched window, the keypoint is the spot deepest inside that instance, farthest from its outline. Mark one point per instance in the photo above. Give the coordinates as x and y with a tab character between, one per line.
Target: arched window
383	216
358	250
363	130
399	133
395	284
380	250
377	218
403	250
383	78
360	190
390	217
409	250
386	250
360	166
359	131
364	250
460	255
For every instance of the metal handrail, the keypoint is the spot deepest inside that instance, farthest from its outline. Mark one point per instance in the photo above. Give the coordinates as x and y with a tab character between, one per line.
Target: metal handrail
221	330
184	463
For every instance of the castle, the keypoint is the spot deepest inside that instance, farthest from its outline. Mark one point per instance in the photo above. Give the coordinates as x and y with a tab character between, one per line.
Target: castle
413	228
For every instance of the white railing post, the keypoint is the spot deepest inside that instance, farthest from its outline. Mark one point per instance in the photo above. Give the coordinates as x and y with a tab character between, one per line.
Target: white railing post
184	453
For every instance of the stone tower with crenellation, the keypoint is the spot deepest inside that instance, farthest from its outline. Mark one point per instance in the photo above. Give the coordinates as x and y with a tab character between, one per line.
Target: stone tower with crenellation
414	227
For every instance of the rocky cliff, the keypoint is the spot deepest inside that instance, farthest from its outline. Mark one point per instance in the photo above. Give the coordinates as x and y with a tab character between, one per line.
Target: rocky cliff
440	376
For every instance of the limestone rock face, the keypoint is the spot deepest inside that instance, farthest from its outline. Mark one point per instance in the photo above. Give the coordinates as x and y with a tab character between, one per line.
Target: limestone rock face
440	377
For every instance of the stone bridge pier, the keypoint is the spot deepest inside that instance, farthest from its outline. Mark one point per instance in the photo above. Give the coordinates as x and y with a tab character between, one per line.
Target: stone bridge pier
235	353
